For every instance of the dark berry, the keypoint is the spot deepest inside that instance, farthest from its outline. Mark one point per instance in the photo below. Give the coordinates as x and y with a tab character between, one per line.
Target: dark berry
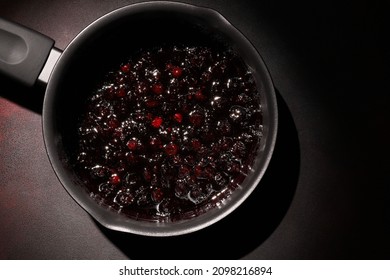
196	118
113	122
157	195
196	144
132	158
158	88
198	171
133	144
171	149
155	143
184	171
121	92
151	103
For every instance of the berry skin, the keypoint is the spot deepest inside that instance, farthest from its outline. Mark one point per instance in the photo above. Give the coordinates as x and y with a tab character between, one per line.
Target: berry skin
115	179
178	117
200	96
157	122
132	144
176	72
121	92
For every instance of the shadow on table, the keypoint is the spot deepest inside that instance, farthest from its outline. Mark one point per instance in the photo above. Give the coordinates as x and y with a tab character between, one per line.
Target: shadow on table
244	229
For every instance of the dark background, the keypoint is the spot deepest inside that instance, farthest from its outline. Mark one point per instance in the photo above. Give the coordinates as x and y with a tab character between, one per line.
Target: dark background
326	193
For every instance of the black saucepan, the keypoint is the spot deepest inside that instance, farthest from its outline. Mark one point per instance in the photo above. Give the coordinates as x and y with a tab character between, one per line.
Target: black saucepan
71	74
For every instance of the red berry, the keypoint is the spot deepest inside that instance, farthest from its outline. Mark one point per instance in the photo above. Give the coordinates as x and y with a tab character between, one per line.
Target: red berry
178	117
176	72
115	179
157	122
158	88
196	118
132	144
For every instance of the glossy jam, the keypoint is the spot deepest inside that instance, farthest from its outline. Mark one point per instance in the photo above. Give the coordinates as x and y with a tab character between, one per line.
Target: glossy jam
170	133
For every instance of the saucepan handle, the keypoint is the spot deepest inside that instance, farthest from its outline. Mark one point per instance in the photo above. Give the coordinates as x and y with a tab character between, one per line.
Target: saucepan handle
23	52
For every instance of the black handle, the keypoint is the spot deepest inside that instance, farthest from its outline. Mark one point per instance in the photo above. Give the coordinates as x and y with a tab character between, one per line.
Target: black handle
23	52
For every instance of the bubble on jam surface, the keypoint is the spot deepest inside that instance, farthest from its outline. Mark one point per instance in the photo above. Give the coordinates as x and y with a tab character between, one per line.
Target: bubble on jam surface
106	189
100	171
168	130
237	113
165	208
124	198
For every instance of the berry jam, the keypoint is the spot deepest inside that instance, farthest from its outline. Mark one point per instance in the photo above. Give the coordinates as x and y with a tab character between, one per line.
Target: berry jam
170	133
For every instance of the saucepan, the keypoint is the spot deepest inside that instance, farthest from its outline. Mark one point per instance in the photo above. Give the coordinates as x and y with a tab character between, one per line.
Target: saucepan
71	74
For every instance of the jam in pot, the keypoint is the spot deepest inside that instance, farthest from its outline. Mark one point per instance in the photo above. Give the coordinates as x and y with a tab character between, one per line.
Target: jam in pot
170	133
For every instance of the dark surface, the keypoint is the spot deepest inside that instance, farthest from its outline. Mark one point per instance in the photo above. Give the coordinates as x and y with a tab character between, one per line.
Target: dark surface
326	192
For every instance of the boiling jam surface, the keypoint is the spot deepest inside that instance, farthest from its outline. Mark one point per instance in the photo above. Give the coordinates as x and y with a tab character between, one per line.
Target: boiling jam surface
170	133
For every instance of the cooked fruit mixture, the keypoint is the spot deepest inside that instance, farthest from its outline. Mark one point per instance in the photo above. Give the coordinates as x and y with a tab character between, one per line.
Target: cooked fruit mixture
170	133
